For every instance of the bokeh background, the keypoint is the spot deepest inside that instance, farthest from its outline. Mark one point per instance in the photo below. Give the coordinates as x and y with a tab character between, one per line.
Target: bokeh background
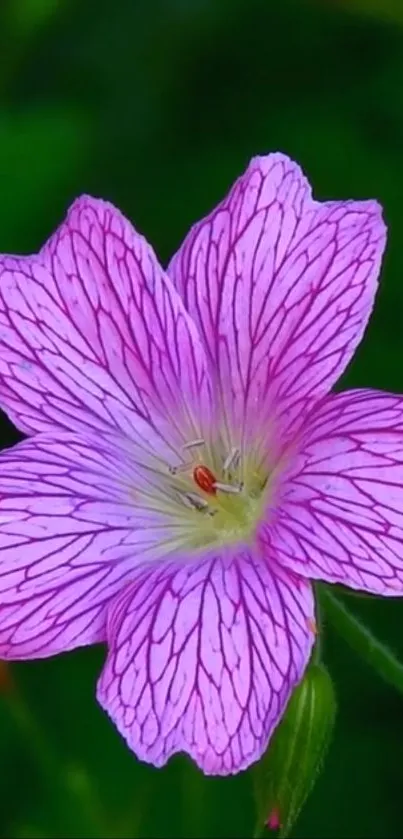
158	105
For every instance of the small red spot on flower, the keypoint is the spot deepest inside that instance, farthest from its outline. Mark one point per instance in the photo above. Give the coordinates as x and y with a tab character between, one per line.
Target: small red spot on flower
273	820
204	479
312	626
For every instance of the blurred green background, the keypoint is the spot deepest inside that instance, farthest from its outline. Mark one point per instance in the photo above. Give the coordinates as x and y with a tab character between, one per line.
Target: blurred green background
158	105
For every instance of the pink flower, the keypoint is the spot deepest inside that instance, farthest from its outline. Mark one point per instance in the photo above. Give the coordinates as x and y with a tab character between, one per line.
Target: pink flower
187	472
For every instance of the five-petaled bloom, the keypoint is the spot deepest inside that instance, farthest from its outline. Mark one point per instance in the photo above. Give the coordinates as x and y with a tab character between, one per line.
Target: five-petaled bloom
187	472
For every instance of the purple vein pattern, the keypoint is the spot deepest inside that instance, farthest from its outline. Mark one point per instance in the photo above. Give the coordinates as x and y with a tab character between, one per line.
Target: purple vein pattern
187	471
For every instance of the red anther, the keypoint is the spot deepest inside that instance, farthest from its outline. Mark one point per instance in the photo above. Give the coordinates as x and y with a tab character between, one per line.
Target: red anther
273	820
204	479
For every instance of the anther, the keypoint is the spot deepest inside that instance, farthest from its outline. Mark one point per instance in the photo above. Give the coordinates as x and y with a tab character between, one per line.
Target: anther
183	467
232	460
232	489
193	444
196	502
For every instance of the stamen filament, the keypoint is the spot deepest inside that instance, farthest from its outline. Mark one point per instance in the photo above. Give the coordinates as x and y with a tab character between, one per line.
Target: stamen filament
233	489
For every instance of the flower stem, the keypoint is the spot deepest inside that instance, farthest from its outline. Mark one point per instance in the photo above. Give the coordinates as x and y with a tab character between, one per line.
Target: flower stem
376	654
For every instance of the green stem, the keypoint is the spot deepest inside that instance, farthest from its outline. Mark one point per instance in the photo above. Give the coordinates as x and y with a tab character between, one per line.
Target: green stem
362	640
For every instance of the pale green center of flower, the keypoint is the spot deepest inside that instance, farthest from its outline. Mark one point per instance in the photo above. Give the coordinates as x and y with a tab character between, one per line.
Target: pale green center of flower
214	496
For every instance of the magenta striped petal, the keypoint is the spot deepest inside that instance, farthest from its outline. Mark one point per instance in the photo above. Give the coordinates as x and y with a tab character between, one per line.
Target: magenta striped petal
94	335
340	517
71	532
281	288
203	657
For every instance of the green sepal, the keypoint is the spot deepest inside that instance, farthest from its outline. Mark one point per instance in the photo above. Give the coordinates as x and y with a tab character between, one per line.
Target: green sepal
287	772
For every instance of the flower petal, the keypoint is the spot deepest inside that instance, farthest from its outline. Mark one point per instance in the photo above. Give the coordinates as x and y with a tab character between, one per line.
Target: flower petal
340	515
203	657
71	532
281	288
94	335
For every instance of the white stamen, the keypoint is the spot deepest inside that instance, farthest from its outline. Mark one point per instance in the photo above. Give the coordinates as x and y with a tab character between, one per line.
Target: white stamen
233	489
232	460
183	467
194	501
193	444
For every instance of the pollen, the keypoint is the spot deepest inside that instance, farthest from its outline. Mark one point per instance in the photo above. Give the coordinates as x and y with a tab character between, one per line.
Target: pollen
205	479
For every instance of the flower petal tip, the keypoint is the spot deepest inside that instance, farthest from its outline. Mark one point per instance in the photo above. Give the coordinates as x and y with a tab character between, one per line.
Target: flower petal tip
203	660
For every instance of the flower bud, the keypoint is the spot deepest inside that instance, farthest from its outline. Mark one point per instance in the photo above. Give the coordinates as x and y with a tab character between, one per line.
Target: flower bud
285	775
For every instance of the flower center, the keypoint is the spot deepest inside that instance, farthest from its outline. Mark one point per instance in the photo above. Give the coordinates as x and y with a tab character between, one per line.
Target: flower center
219	495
